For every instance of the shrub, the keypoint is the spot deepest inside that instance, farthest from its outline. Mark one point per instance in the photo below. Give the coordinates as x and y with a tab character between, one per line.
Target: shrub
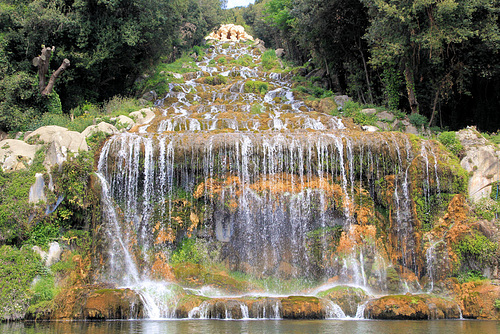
269	60
18	268
257	87
418	120
186	252
450	141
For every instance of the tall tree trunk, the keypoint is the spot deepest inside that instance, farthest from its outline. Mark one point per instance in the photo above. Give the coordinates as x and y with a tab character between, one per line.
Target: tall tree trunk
42	62
410	88
368	84
48	89
434	107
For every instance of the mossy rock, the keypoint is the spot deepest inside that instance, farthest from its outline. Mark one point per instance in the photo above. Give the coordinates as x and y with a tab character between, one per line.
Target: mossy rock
411	307
302	307
106	304
347	297
187	303
195	275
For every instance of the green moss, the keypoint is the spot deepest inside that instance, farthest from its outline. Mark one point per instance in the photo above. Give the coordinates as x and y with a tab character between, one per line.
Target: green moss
215	80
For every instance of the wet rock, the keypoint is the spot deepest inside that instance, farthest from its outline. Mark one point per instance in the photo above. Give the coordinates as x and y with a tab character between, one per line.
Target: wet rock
347	297
16	154
302	307
113	304
104	127
187	304
479	300
411	307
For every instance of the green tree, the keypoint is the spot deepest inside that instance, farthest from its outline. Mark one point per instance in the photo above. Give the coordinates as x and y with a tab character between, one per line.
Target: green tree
422	39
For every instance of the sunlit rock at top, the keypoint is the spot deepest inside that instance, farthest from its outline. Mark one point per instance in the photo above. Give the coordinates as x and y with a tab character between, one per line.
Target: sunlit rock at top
230	32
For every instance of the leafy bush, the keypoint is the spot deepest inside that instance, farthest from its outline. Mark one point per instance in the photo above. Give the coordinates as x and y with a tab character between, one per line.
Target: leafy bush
471	276
186	252
20	101
269	60
497	304
18	268
418	120
450	141
257	87
353	109
475	251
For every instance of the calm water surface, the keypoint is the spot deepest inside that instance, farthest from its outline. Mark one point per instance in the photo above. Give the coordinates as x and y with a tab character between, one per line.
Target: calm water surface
258	326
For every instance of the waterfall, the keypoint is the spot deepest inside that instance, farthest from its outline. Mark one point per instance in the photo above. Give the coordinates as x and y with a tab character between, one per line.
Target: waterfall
280	190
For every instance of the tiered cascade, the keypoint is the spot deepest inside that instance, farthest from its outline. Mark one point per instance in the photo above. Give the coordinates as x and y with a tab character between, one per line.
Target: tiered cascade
237	167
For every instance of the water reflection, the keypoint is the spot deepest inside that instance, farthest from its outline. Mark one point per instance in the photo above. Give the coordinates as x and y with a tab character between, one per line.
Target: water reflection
267	326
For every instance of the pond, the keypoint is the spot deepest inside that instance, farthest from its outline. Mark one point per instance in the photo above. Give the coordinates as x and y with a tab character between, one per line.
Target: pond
256	326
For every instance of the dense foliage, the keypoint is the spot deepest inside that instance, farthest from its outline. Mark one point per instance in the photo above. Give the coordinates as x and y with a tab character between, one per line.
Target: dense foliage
109	44
436	58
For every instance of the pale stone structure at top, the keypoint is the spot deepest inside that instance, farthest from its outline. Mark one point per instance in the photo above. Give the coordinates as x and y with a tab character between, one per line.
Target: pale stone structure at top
230	32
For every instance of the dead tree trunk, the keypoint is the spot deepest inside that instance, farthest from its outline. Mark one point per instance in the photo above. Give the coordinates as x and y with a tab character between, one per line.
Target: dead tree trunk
42	62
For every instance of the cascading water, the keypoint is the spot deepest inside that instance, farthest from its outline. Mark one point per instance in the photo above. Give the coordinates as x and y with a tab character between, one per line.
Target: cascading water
281	190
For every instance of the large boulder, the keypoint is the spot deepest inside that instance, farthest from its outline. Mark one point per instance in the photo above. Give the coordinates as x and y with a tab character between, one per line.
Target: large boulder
143	116
61	142
481	160
107	128
16	154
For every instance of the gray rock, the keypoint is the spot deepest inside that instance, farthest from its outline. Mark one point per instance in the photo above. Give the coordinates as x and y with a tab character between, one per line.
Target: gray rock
125	121
143	116
481	160
101	127
383	126
385	116
60	142
37	193
280	53
340	100
16	154
150	96
369	128
369	111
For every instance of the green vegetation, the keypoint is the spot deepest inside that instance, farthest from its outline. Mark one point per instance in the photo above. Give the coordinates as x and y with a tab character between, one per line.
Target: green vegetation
397	60
269	60
18	268
474	251
186	252
450	141
215	80
256	87
353	109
